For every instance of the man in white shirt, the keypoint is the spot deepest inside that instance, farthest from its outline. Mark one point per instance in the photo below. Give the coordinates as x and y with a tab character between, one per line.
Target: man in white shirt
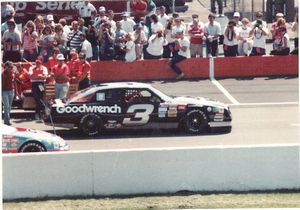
183	45
163	17
86	47
127	23
212	32
86	10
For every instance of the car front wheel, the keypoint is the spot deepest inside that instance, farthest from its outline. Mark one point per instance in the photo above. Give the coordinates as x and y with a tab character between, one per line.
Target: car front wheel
90	124
32	147
196	122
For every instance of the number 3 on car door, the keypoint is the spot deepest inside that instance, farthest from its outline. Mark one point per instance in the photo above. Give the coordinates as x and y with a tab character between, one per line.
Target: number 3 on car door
142	114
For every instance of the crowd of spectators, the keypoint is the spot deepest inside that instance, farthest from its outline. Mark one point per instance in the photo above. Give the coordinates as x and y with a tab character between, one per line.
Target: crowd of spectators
146	33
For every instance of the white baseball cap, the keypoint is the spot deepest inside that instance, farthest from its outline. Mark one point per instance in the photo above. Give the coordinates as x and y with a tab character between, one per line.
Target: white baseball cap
50	17
102	9
236	14
60	57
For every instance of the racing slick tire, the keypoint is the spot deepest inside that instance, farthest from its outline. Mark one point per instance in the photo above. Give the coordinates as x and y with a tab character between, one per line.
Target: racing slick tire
90	124
196	122
32	146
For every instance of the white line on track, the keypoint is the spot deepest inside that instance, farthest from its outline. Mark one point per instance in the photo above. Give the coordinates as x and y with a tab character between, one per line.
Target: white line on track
225	92
266	104
218	85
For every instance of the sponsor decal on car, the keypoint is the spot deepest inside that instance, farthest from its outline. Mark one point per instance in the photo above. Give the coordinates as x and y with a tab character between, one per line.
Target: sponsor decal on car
89	109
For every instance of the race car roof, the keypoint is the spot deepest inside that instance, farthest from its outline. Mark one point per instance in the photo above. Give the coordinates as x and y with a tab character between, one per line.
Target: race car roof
124	85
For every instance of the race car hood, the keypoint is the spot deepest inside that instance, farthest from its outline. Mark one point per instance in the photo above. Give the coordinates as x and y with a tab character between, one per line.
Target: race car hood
199	101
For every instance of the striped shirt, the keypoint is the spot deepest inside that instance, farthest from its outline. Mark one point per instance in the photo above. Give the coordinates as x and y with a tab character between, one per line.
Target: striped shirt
74	39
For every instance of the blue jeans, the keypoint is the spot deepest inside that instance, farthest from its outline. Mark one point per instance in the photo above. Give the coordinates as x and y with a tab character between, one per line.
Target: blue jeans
176	59
7	99
61	90
30	56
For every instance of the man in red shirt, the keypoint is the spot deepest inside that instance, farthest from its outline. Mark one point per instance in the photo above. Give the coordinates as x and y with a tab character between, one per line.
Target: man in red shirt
139	9
38	74
73	65
51	63
61	76
8	79
84	72
196	38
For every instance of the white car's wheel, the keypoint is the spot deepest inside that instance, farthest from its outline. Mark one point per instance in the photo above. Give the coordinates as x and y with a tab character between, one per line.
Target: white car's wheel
32	146
196	121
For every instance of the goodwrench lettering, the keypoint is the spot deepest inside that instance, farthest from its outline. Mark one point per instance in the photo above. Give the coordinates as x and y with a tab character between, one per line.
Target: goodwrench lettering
89	109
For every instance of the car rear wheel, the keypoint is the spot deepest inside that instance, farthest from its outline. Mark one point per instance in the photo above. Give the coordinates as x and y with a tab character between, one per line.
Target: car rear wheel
32	147
90	124
196	122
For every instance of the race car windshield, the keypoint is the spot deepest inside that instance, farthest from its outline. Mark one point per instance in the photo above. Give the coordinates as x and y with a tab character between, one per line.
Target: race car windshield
81	94
162	95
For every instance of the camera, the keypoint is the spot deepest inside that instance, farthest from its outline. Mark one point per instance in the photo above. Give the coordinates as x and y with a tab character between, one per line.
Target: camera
159	34
258	23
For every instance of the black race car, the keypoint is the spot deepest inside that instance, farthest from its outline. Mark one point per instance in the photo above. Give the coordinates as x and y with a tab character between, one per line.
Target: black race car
128	105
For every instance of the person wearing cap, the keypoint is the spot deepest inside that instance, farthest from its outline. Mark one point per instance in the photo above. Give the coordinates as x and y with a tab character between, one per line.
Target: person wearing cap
101	17
236	17
245	40
50	21
73	65
212	32
183	46
38	74
86	47
178	28
84	72
280	22
61	75
11	41
169	49
8	89
86	10
127	23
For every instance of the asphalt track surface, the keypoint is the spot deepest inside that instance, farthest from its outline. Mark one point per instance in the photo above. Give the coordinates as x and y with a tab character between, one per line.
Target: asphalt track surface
265	112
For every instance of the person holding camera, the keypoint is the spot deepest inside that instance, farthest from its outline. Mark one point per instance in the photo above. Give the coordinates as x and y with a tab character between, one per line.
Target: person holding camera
11	41
282	45
92	36
106	42
130	55
260	33
230	44
46	43
156	44
8	89
30	42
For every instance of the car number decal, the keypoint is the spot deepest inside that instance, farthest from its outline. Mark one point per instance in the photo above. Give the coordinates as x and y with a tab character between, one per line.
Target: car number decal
142	114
